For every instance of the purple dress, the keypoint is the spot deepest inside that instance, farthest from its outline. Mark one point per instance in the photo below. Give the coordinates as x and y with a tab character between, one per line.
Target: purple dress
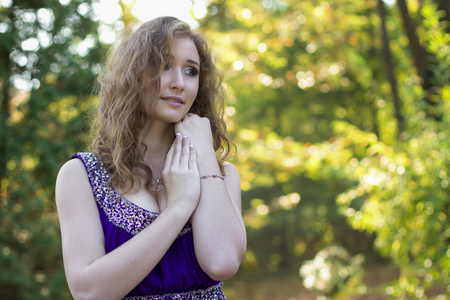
178	275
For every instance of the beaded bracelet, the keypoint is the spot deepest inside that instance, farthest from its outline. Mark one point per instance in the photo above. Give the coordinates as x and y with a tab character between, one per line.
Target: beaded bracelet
213	176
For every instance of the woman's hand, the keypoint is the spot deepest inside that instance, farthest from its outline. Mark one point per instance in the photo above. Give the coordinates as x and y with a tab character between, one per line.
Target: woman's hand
199	131
180	174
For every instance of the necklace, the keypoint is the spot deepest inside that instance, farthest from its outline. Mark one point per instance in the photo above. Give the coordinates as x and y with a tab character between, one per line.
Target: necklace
159	185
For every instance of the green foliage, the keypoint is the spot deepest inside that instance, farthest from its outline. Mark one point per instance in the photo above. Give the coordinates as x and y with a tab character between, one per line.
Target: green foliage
402	193
402	196
41	126
314	118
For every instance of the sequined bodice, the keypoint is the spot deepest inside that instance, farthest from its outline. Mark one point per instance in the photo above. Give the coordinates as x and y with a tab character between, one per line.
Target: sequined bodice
120	211
178	274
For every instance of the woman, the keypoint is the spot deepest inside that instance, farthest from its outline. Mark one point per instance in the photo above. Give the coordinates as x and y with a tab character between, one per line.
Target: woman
154	211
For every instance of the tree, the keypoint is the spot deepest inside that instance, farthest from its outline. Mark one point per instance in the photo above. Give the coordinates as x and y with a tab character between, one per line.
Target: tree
390	70
50	53
423	60
314	113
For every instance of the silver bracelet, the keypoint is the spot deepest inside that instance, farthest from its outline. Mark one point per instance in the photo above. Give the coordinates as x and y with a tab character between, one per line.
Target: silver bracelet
213	176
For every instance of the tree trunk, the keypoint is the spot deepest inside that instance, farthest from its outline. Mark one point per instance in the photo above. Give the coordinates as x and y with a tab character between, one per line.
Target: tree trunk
390	70
4	106
422	58
4	115
418	52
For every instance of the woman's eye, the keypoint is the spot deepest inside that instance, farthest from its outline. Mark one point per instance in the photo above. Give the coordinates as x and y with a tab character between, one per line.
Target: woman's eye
191	71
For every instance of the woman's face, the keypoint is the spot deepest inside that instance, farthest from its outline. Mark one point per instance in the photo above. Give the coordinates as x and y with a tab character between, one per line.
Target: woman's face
179	82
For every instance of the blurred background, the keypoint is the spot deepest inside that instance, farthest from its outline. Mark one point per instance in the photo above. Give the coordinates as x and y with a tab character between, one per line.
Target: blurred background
339	110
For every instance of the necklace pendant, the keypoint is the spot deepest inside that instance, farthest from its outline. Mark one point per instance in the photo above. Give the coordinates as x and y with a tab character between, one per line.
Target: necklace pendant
159	186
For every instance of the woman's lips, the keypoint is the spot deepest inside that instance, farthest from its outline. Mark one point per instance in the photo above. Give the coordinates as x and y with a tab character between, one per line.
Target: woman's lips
174	101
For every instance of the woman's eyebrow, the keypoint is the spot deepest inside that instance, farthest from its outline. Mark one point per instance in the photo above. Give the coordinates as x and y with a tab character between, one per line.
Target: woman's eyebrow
193	62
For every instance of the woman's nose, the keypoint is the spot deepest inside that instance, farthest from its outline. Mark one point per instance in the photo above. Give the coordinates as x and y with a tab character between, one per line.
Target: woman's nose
177	80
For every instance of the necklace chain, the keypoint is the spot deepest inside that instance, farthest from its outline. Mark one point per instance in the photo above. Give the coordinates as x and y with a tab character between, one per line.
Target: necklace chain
159	185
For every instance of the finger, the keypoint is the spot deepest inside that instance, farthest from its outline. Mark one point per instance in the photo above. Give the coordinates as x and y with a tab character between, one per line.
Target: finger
174	151
192	157
184	160
169	156
177	149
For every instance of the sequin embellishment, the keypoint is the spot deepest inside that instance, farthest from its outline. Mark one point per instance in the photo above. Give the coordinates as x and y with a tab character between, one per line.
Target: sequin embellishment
120	211
212	293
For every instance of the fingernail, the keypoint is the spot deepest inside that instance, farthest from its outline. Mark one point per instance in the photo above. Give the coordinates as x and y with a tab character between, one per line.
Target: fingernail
191	147
178	135
184	137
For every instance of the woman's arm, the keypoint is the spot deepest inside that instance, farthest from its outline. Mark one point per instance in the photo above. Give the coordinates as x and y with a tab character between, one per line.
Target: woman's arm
92	274
219	231
218	228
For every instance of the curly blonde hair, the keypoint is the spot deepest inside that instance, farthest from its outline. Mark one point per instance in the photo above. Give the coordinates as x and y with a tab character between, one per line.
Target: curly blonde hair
133	71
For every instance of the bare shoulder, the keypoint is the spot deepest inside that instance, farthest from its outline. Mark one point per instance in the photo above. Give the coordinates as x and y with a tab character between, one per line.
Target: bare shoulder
72	168
71	173
72	180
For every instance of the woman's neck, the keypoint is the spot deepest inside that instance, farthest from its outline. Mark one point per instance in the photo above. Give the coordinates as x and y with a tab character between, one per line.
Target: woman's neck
158	141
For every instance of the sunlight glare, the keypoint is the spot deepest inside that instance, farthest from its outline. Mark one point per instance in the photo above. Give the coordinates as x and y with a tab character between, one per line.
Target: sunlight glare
389	2
31	44
238	65
145	10
108	11
5	3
